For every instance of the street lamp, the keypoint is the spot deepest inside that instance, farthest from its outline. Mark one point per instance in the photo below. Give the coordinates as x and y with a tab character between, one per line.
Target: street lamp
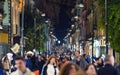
59	42
76	17
22	30
43	14
72	25
46	21
80	4
51	32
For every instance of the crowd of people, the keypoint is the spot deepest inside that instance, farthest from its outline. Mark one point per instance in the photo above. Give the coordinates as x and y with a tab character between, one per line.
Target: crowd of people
66	63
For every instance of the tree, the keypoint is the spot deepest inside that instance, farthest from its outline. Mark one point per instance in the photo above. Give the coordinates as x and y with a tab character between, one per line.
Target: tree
32	13
41	37
113	22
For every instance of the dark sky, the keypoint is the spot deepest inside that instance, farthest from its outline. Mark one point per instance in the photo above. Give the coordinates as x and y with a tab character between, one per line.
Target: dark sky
64	23
59	13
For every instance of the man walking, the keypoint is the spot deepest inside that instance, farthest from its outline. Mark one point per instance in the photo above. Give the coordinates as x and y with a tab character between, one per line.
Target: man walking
109	68
21	68
80	61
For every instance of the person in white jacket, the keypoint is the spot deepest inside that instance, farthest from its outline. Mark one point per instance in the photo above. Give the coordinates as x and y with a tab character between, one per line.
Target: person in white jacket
21	68
50	68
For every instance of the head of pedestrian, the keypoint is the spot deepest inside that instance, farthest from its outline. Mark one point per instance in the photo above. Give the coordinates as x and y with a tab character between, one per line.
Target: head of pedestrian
80	72
109	59
99	62
52	60
90	69
20	64
69	69
77	53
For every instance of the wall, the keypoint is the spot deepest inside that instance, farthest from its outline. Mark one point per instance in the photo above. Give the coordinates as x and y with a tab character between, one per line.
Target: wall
4	38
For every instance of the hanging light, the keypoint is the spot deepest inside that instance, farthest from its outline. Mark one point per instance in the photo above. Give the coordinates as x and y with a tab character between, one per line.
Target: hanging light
72	25
80	4
46	21
68	34
51	32
76	17
43	14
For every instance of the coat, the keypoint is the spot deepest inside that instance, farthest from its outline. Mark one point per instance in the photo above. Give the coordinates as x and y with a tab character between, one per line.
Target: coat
17	72
108	70
82	63
49	70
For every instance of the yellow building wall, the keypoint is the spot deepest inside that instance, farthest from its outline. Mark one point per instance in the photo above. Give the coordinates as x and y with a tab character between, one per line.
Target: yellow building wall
4	38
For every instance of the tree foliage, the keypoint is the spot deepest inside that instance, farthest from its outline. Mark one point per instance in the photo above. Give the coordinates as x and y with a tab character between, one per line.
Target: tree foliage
41	38
30	30
113	22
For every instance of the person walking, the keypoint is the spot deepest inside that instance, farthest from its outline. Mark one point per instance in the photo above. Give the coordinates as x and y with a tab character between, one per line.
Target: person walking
21	67
80	61
51	66
98	63
69	69
109	68
90	70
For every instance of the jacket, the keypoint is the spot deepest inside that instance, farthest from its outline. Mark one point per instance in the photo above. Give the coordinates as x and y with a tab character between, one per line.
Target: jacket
17	72
82	63
108	70
49	70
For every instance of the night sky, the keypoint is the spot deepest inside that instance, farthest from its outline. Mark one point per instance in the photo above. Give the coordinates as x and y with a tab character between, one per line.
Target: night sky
61	21
64	24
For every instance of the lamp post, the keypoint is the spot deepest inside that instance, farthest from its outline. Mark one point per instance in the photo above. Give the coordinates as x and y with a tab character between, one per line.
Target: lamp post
92	23
9	27
35	37
106	24
22	30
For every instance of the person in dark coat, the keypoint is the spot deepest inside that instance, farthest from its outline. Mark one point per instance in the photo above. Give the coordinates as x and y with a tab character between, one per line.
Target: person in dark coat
41	62
80	61
109	68
98	63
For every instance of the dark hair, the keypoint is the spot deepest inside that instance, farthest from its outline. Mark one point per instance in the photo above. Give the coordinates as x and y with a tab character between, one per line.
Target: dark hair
98	58
5	58
48	61
67	67
20	58
77	51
